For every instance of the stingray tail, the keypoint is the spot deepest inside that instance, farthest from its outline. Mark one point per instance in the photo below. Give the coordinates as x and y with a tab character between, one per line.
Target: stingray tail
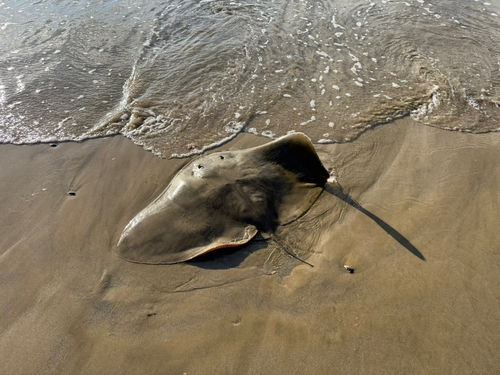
288	251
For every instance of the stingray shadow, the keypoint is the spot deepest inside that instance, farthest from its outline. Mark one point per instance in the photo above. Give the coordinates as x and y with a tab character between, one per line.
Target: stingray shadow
337	191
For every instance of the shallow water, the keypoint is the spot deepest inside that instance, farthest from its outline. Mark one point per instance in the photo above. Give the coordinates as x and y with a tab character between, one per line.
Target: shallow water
180	76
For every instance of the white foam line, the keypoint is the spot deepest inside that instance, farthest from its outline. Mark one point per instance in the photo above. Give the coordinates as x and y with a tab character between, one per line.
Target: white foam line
324	54
335	24
236	130
4	26
205	148
61	123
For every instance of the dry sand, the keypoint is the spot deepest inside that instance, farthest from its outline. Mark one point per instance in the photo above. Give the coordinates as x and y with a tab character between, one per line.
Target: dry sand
424	243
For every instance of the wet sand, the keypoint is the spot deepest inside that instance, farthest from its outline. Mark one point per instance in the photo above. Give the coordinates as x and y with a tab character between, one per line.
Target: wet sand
415	215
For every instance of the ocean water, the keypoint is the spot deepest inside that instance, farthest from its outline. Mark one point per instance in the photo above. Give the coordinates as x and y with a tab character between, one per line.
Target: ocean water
181	76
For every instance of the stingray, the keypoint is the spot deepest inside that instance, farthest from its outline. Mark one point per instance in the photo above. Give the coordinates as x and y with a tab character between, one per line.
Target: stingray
225	199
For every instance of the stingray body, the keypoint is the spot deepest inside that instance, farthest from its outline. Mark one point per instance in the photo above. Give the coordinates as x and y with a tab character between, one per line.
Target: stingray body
224	199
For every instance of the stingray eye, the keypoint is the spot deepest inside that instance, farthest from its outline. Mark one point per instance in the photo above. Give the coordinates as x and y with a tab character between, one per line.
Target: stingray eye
221	157
200	166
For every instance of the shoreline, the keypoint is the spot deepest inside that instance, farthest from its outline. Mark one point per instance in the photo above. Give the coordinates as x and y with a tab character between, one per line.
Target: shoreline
70	305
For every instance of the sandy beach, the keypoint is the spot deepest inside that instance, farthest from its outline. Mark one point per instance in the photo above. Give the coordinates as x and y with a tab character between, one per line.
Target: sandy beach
414	213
